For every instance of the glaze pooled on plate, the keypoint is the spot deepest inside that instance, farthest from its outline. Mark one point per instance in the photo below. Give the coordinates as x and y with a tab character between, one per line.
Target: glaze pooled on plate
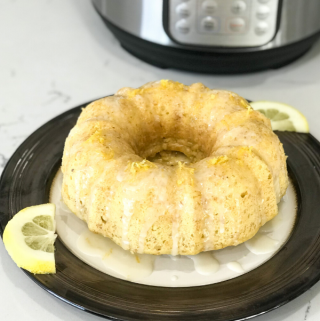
166	270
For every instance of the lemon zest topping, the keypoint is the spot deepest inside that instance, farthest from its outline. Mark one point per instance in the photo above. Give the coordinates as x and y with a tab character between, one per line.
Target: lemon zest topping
164	82
172	85
224	123
243	150
134	92
247	149
138	91
244	103
96	137
217	160
106	155
188	171
136	167
198	104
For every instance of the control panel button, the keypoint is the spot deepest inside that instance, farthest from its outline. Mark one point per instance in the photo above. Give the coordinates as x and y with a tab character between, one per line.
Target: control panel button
263	12
209	6
238	7
237	24
208	24
226	23
183	10
261	28
183	26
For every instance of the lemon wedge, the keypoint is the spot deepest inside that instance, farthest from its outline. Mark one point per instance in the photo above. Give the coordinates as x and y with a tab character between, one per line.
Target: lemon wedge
283	117
29	238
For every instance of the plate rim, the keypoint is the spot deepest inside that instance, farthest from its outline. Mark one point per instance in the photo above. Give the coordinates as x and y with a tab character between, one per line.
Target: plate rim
71	113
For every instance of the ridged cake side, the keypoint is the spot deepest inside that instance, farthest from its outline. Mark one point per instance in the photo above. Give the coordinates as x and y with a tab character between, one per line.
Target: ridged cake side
230	187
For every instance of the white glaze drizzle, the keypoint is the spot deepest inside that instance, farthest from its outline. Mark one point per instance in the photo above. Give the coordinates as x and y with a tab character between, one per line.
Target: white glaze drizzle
77	178
132	192
222	221
159	207
185	204
209	218
174	278
81	178
208	240
68	226
209	209
276	183
94	190
205	263
130	266
175	228
261	244
236	222
126	217
236	267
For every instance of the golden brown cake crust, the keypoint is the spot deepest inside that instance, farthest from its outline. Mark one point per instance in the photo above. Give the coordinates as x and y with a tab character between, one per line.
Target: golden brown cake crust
219	185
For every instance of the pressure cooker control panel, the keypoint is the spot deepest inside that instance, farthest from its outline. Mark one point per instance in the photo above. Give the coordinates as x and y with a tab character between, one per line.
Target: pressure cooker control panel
228	23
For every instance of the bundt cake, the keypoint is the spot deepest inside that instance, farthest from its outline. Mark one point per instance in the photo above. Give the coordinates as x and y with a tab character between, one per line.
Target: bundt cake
173	169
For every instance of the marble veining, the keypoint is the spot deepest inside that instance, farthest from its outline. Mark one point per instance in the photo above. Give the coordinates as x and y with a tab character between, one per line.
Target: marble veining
307	311
55	95
3	161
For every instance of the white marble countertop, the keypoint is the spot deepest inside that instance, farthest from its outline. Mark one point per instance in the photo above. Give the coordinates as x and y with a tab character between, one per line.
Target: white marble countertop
57	54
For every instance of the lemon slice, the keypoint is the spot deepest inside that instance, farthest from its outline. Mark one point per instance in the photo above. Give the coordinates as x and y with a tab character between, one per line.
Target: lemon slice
29	238
283	117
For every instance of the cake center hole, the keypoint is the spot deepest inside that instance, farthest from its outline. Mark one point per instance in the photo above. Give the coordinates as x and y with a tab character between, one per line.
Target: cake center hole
169	158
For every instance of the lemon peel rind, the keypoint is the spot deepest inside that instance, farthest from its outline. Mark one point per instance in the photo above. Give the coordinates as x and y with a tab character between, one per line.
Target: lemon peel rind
27	260
264	104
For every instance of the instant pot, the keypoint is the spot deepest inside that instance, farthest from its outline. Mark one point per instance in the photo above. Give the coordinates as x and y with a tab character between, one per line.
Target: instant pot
214	36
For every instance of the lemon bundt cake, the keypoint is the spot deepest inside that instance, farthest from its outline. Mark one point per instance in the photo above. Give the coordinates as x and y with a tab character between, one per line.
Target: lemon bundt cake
173	169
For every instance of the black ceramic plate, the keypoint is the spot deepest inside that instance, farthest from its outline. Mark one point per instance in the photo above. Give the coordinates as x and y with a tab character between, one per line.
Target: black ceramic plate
294	269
